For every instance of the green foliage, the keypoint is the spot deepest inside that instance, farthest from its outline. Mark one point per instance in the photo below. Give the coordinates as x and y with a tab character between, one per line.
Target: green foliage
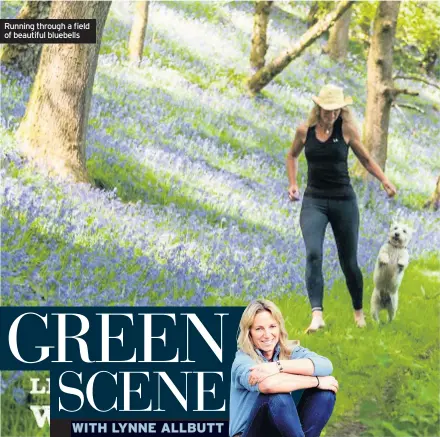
317	10
417	34
210	11
418	31
360	27
10	8
17	418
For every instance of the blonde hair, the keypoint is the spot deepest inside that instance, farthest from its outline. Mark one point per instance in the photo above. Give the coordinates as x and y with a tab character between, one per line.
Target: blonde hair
244	341
346	114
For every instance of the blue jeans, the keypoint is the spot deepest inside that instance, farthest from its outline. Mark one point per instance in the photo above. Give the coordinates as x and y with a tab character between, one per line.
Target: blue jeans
276	415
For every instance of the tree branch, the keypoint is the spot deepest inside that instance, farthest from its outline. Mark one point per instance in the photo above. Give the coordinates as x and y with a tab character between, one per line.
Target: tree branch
261	78
417	78
406	91
394	92
409	106
434	201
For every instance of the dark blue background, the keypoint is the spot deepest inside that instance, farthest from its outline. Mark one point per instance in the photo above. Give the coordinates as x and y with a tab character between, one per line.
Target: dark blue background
32	333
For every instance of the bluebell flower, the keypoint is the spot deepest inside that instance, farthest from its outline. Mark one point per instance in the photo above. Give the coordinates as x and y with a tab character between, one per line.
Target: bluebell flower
19	395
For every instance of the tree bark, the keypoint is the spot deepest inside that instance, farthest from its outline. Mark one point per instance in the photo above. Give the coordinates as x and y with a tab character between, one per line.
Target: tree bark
418	78
262	77
434	201
25	57
337	46
312	15
259	34
52	132
137	34
380	90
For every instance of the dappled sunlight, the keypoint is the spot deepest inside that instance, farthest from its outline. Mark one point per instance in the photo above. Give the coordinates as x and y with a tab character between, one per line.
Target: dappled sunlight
190	112
122	10
194	35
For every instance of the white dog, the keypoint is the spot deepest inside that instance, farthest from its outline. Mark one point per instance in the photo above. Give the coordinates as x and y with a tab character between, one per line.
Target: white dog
391	263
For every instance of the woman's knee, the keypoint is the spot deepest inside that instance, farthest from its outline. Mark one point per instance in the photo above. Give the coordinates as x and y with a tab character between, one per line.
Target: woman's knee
314	257
328	396
326	399
318	395
280	401
351	269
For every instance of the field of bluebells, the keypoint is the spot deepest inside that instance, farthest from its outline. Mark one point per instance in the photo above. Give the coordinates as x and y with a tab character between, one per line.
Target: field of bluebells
190	205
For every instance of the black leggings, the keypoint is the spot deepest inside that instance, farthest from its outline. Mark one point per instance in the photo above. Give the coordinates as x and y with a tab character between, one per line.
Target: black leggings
343	216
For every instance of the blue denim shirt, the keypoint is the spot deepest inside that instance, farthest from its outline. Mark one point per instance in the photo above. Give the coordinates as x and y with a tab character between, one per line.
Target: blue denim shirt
243	395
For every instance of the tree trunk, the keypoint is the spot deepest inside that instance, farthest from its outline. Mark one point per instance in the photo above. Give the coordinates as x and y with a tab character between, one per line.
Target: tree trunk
25	57
337	46
137	35
262	77
434	201
312	15
259	35
52	132
380	90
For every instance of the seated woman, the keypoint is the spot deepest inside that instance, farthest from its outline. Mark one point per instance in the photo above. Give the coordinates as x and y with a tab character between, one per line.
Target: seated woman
266	371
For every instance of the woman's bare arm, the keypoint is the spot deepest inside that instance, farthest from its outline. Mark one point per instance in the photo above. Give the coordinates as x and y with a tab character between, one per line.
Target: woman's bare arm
351	134
286	383
302	366
292	160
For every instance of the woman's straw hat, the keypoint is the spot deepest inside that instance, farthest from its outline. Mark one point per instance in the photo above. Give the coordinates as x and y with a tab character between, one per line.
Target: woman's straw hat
332	97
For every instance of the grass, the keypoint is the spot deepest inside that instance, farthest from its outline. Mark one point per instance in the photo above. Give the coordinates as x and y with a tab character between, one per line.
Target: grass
17	417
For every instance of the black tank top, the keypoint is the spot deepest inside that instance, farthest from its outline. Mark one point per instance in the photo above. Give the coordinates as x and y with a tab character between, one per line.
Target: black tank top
327	175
